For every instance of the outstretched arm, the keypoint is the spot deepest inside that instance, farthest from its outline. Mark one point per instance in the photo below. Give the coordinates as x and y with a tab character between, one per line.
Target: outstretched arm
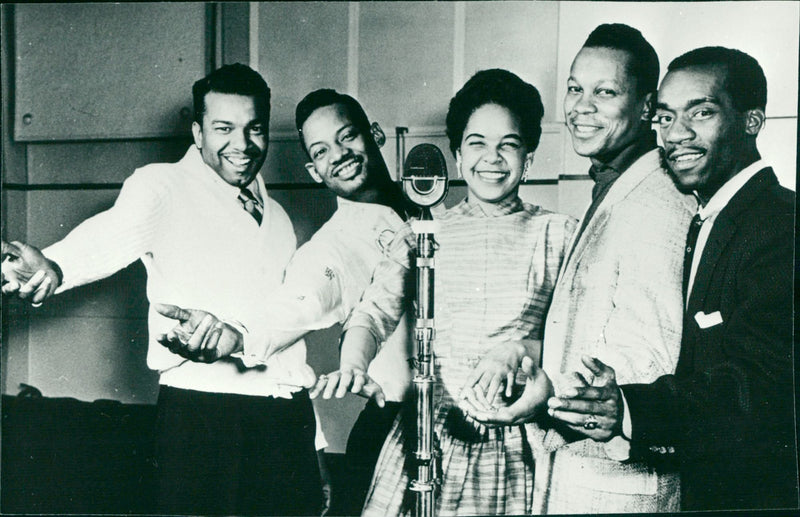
27	273
359	347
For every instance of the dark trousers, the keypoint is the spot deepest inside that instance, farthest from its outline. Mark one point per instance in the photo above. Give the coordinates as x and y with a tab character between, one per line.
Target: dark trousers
220	453
363	448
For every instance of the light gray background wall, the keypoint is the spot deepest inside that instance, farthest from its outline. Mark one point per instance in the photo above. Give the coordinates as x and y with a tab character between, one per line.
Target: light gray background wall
106	88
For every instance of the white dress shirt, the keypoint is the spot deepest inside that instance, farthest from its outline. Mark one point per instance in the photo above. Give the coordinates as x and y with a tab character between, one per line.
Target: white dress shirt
201	250
709	212
325	281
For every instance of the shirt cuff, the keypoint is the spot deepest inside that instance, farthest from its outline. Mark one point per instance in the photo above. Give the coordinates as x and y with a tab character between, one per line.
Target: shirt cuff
619	447
249	355
627	425
320	443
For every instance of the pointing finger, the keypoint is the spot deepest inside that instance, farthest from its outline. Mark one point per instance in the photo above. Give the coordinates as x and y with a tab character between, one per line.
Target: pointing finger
172	311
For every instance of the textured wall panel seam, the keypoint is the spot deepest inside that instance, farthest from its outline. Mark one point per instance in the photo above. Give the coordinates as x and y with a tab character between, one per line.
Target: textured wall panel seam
254	58
548	128
218	36
459	40
353	36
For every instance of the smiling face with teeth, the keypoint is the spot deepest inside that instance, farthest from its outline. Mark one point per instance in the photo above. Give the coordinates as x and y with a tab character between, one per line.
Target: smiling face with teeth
706	139
233	137
342	155
492	156
603	110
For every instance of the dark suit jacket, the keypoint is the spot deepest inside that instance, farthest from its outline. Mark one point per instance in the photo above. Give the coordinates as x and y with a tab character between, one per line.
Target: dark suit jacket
728	409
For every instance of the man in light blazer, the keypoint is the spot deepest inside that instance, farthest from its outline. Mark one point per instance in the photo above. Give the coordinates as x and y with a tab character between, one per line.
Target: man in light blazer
618	296
728	408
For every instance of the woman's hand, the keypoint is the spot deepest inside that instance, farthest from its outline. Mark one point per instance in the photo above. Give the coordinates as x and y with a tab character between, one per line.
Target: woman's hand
495	371
348	379
529	406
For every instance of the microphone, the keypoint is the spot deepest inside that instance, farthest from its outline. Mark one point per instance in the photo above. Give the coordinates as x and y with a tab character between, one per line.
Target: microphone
425	176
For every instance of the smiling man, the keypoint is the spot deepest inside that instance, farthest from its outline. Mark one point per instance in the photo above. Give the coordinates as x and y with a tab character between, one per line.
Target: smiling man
327	276
209	237
618	295
728	409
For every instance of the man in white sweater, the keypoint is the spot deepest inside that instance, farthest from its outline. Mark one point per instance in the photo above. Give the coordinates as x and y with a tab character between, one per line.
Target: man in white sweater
209	237
326	278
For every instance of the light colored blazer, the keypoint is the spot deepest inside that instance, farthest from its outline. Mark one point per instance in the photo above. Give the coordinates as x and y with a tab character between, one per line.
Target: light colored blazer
618	298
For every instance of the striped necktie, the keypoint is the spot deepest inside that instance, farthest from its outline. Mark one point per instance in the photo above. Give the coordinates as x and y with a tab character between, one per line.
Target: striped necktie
251	205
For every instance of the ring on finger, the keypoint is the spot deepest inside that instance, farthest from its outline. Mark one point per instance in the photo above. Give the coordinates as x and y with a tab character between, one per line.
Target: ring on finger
590	423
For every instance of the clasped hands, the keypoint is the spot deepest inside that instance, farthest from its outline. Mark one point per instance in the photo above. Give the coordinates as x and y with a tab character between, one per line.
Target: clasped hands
592	407
496	371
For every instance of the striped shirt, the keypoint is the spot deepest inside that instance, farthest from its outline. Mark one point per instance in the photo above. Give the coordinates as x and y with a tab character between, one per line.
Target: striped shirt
495	273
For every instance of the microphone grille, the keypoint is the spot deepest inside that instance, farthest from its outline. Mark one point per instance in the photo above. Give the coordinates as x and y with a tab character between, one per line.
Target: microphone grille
425	175
425	160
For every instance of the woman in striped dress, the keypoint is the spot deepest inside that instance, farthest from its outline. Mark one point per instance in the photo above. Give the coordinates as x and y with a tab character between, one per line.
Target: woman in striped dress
496	264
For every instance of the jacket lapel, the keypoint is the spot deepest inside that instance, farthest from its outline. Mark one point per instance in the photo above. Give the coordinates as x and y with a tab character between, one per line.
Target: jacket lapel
620	190
721	233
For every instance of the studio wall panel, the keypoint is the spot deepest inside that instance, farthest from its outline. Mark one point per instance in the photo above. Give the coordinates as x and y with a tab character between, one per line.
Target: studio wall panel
545	196
574	196
778	145
99	162
124	70
54	213
285	162
405	60
92	358
302	46
519	36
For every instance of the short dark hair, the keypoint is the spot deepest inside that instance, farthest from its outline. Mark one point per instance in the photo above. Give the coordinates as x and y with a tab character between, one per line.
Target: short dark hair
643	63
501	87
744	79
237	79
327	97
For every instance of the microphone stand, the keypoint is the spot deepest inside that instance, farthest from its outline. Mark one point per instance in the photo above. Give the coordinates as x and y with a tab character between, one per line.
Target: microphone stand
424	381
425	185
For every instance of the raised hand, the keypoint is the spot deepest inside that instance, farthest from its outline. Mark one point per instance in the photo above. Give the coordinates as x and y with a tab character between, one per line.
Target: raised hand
526	408
594	410
348	379
199	335
27	273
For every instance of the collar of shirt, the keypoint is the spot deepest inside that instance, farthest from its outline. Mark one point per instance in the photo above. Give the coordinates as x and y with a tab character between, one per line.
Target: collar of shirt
722	197
256	186
708	214
504	207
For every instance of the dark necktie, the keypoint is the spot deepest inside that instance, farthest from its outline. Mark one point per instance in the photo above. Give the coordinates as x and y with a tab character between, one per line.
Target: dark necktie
691	242
251	205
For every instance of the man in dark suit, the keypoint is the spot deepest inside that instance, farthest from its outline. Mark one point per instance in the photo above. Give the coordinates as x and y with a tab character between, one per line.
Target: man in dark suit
728	411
